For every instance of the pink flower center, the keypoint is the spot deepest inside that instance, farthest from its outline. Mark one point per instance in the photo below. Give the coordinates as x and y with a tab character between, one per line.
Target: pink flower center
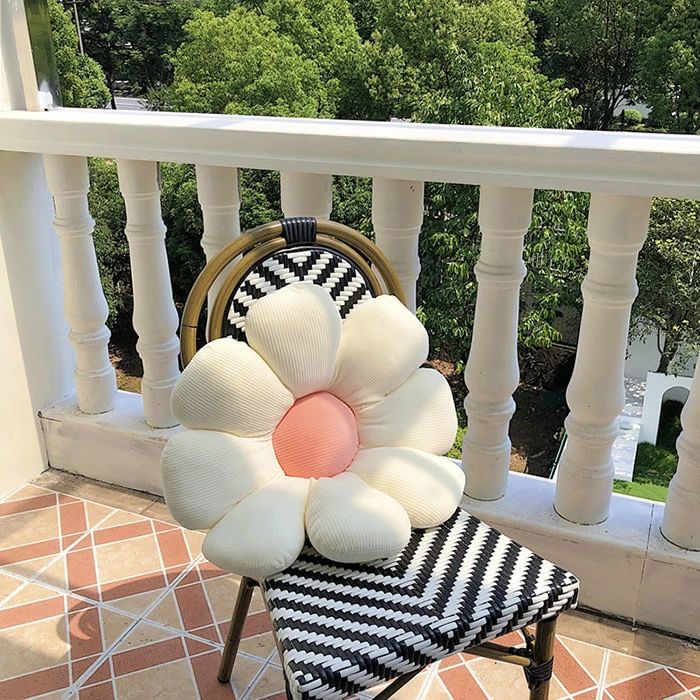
316	437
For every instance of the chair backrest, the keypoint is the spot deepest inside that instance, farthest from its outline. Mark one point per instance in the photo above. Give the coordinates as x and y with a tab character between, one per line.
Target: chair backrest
298	249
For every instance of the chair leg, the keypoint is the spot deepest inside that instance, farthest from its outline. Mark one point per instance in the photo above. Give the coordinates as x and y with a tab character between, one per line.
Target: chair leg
240	612
544	656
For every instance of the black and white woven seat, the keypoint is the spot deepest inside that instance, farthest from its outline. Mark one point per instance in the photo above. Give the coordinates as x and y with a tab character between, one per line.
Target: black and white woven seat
343	628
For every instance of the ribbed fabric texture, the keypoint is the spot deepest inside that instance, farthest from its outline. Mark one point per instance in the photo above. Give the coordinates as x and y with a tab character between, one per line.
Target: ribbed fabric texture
228	386
317	437
419	414
428	487
296	331
205	473
348	521
381	345
264	533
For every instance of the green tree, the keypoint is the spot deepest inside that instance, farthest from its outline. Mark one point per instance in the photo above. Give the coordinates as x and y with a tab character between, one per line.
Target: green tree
668	304
595	45
365	14
241	64
420	47
152	32
325	32
669	76
81	78
135	42
103	40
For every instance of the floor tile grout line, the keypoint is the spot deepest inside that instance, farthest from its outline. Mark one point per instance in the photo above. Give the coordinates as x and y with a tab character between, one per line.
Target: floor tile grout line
578	661
211	606
659	667
70	548
443	684
659	664
7	497
157	543
673	672
603	674
425	685
249	688
63	552
80	681
476	679
190	668
24	583
135	621
69	646
209	603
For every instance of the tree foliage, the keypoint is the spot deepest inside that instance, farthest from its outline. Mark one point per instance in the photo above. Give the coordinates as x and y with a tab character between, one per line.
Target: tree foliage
241	64
325	33
595	45
81	78
668	304
669	74
135	42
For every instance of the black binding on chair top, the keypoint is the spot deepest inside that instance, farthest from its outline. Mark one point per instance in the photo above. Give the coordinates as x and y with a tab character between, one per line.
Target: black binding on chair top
299	229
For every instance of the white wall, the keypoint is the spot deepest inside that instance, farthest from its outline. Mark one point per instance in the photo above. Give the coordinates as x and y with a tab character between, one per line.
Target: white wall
660	388
643	356
35	357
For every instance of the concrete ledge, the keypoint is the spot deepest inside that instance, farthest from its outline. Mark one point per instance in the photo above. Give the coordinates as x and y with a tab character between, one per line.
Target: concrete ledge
117	447
625	566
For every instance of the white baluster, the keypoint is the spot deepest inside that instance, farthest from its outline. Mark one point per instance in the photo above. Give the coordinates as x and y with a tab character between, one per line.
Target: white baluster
217	191
681	521
397	217
492	372
617	227
305	194
155	317
85	307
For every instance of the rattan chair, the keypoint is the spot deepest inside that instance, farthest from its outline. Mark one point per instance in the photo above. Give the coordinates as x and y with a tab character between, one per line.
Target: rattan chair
341	629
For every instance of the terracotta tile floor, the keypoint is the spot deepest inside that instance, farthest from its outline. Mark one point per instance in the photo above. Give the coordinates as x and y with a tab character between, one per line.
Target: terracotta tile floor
103	596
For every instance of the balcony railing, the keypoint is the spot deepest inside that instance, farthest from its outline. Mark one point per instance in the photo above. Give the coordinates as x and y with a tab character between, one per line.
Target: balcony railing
612	542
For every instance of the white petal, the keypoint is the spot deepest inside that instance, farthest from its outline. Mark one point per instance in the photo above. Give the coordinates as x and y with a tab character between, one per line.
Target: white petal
348	521
264	533
428	487
205	473
229	387
420	414
296	330
381	344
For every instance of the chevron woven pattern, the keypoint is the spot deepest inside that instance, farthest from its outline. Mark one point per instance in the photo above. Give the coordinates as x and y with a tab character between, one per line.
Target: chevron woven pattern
345	628
327	268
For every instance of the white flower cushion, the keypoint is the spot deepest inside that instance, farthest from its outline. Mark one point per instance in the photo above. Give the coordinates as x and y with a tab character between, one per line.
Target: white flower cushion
320	428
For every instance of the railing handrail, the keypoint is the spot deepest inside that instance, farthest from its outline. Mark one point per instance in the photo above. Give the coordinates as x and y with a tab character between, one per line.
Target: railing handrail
614	162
